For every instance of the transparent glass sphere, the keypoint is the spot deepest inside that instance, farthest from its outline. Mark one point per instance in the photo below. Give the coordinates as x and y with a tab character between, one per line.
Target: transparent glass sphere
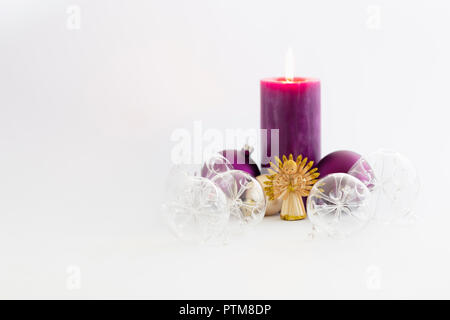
338	205
214	165
394	184
195	209
245	198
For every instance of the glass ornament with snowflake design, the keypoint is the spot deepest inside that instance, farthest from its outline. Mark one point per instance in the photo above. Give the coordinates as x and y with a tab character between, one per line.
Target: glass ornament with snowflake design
194	207
245	199
338	205
393	182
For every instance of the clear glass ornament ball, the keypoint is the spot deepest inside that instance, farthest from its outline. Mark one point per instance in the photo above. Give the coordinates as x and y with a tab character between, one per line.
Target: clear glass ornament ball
195	209
338	205
245	198
214	165
394	184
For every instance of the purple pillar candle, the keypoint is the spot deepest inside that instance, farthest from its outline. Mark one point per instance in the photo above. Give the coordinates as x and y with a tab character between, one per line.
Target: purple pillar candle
293	107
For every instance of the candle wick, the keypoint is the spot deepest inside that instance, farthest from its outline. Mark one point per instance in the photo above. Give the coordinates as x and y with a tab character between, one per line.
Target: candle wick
289	65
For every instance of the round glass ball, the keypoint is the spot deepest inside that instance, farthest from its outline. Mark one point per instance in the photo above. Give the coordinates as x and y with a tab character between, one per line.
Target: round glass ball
195	209
338	205
245	198
394	184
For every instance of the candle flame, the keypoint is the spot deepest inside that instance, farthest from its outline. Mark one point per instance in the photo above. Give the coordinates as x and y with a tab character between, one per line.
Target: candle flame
289	66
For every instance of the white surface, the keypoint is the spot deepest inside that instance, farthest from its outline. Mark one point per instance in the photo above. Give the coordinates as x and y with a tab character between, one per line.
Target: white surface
86	118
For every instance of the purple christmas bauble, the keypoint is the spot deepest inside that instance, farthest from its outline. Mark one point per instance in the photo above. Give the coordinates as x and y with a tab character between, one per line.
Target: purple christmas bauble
337	162
241	160
235	160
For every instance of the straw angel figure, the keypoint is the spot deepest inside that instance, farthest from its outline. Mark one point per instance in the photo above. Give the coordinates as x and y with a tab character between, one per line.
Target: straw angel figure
291	180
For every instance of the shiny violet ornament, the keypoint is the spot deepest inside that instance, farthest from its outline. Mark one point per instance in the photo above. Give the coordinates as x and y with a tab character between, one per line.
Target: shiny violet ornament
232	159
337	162
338	205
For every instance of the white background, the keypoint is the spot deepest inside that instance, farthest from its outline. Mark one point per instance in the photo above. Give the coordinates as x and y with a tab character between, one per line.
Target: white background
86	117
